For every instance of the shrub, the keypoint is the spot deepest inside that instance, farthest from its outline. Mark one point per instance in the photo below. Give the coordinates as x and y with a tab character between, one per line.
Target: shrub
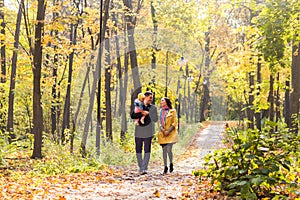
258	163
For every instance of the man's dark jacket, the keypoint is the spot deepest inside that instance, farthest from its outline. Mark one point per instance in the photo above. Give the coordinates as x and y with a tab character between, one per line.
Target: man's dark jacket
146	130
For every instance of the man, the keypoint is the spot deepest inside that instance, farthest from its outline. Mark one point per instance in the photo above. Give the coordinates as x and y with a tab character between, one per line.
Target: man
144	132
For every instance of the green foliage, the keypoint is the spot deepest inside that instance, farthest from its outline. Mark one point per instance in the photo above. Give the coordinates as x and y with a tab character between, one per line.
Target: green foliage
114	154
273	23
3	109
3	143
59	160
258	163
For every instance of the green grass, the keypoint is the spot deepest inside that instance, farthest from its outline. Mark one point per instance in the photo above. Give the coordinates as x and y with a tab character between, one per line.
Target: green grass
57	159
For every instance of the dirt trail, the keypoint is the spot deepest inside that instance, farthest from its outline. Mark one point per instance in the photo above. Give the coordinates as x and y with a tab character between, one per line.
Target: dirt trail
127	184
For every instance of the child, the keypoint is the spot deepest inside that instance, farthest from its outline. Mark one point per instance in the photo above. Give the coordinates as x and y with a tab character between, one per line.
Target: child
138	107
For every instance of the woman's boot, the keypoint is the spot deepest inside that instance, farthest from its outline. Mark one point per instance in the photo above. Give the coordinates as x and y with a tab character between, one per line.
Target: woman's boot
165	170
171	167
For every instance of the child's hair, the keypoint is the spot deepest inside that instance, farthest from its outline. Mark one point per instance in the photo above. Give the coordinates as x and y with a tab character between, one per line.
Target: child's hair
141	96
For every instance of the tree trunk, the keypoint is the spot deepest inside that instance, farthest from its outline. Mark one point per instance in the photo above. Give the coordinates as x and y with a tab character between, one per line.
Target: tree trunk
108	118
295	95
55	100
195	107
154	45
179	112
251	100
117	110
277	108
103	27
271	99
192	106
2	42
130	25
287	112
204	102
166	84
96	82
189	101
206	97
10	120
258	113
114	115
123	91
37	61
122	95
86	77
88	118
67	112
130	20
184	102
3	66
119	70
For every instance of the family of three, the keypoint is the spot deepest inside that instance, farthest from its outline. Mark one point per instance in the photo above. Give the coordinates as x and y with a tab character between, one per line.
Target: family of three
145	115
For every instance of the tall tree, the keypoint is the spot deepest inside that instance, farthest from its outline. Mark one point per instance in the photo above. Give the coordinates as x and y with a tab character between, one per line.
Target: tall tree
123	85
10	121
54	105
131	18
295	95
206	98
121	79
96	83
90	65
258	113
271	98
108	117
37	69
287	112
295	69
272	22
2	43
250	112
154	42
67	106
104	16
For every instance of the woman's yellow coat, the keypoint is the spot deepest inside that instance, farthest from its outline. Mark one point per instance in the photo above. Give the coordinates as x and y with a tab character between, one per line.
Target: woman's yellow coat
171	120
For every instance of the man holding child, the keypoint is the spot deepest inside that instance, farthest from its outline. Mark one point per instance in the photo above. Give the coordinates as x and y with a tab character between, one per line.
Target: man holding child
144	132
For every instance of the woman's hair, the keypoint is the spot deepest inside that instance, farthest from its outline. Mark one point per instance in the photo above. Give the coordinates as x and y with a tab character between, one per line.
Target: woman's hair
168	101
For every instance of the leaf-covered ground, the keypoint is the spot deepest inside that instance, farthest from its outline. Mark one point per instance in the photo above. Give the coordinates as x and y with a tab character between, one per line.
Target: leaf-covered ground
125	182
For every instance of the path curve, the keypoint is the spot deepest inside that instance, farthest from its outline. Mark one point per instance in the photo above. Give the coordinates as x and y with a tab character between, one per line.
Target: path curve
127	184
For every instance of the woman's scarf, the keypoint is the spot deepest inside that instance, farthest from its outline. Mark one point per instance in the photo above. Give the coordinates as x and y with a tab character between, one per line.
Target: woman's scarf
163	114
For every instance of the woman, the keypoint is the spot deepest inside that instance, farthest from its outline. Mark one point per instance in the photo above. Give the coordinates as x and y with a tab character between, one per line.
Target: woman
167	135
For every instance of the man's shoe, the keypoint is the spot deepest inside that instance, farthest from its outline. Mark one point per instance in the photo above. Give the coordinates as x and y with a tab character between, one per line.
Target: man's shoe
144	172
171	167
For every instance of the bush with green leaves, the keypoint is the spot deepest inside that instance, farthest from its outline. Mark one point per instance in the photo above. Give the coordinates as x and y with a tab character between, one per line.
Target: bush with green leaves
257	164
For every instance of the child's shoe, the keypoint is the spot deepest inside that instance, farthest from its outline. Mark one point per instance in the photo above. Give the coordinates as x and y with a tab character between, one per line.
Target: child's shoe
142	121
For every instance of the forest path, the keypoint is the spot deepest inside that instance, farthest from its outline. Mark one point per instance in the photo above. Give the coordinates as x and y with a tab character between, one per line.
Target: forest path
126	183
